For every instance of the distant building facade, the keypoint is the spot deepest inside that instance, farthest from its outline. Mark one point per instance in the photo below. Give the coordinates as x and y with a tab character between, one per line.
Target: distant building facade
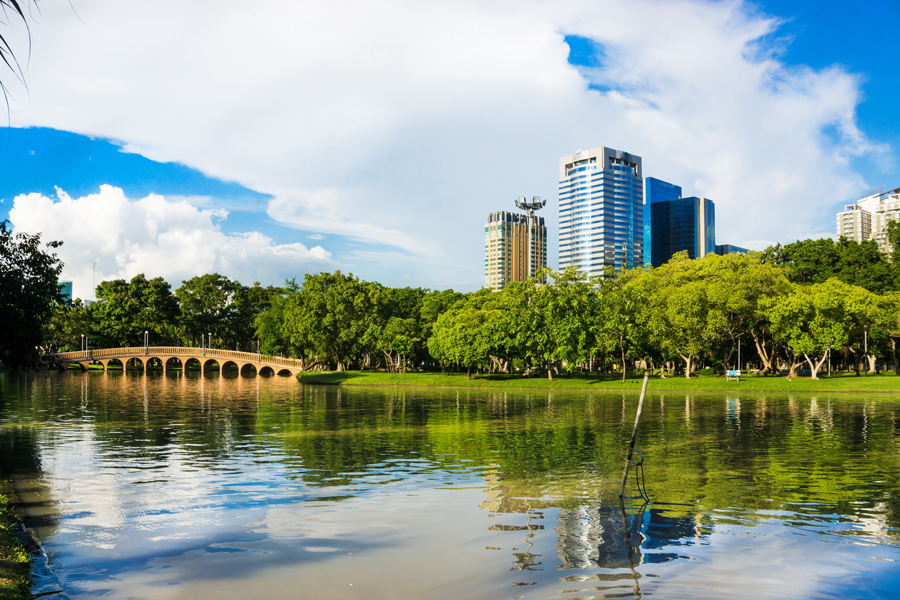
601	209
509	239
65	290
723	249
868	219
854	223
682	224
655	190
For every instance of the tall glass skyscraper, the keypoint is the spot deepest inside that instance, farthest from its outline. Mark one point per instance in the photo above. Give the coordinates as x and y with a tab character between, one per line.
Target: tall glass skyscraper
601	209
682	224
655	190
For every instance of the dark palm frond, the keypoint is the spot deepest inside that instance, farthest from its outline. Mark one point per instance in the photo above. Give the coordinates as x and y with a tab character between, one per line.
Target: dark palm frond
13	8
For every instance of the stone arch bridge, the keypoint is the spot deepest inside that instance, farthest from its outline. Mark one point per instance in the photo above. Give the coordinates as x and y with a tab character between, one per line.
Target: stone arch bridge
246	363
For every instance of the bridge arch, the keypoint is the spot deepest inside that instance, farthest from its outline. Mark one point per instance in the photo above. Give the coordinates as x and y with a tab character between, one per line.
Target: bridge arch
155	363
115	362
226	367
208	365
285	372
134	362
173	362
266	371
249	369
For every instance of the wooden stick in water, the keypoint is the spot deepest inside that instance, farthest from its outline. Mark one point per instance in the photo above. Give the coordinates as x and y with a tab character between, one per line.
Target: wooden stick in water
637	421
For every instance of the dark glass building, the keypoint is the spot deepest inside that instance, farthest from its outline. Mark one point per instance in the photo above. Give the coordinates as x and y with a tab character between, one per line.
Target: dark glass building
723	249
655	190
682	224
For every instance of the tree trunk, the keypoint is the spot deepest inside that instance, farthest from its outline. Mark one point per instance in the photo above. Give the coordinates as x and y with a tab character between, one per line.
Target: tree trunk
763	352
549	372
622	348
469	372
894	355
872	360
687	365
815	366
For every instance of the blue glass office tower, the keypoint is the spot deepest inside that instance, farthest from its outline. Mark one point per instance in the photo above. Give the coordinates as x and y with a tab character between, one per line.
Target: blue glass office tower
682	224
601	211
655	190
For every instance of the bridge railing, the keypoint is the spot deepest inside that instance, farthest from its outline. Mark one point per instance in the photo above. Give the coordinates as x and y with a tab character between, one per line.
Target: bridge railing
168	351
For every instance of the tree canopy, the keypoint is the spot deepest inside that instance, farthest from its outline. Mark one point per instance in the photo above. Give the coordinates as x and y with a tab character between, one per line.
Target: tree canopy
29	291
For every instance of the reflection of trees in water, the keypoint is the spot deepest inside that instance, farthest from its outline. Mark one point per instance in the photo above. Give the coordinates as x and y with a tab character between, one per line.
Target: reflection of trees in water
754	451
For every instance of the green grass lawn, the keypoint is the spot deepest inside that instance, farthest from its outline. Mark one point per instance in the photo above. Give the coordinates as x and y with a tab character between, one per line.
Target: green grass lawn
14	562
838	382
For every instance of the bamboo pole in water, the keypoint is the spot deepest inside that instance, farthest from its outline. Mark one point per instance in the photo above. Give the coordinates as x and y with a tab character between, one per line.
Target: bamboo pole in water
637	421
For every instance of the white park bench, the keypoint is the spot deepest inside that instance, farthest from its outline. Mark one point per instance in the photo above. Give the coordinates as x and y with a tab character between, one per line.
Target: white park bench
732	375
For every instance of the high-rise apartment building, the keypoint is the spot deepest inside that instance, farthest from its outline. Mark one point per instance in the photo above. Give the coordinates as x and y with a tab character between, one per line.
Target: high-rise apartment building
682	224
655	190
601	208
868	219
854	223
508	239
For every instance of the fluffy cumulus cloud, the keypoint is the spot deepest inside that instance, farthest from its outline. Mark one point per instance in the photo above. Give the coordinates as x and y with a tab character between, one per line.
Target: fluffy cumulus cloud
403	124
109	236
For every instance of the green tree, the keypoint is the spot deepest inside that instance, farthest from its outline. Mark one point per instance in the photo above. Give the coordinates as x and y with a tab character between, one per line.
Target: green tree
464	335
211	304
735	283
890	304
815	261
68	325
815	318
269	323
616	321
29	291
677	310
124	310
329	316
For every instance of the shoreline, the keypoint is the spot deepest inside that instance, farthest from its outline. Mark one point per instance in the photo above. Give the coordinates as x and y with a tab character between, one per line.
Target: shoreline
844	384
15	562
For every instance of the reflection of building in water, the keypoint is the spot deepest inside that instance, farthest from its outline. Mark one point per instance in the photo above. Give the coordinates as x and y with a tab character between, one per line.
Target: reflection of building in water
588	537
595	536
592	536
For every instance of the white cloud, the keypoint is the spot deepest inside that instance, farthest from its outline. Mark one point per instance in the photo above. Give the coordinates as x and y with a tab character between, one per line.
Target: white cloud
157	237
406	123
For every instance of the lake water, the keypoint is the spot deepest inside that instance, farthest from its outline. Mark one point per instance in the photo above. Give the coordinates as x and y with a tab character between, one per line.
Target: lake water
169	487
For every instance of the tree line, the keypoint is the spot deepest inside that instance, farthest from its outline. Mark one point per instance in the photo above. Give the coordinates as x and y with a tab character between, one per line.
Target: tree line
794	305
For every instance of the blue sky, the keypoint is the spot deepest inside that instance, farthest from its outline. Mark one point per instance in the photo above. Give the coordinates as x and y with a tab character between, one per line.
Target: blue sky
376	140
863	38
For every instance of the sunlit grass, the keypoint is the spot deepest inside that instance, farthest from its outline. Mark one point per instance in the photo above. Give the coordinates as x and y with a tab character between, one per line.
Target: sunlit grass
837	382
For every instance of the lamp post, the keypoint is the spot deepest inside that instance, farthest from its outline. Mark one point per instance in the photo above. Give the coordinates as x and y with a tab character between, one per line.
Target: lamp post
146	338
739	354
82	344
202	346
257	351
866	348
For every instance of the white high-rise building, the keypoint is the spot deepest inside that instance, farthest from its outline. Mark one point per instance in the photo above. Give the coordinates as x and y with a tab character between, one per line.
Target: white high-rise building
868	219
601	210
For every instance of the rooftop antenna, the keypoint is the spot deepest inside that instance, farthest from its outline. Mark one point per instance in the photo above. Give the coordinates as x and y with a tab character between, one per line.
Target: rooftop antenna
529	208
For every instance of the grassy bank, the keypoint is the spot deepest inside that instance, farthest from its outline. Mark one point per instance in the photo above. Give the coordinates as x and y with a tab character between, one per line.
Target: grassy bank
838	382
14	562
